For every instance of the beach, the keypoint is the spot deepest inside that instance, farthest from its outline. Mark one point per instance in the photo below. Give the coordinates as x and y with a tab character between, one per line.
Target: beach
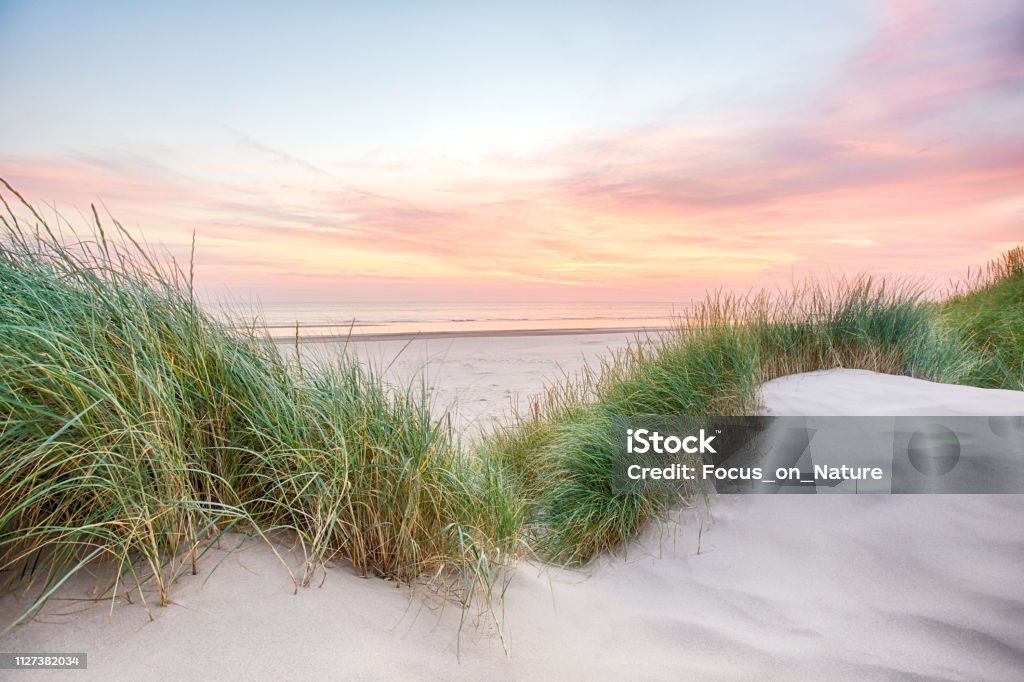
482	375
858	587
512	341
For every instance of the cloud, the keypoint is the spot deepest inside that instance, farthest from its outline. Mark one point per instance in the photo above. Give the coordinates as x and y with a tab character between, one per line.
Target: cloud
906	162
249	143
929	57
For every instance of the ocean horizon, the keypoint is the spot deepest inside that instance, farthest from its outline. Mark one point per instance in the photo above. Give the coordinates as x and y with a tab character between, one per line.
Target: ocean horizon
365	319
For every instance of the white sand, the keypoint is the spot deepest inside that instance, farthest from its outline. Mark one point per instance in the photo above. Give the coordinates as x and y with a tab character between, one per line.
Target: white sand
856	391
803	586
487	376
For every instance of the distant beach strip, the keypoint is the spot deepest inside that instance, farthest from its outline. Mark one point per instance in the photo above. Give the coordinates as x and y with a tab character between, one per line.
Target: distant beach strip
384	322
344	335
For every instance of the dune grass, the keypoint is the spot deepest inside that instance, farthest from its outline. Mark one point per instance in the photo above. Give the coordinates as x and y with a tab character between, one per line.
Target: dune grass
989	308
560	451
138	430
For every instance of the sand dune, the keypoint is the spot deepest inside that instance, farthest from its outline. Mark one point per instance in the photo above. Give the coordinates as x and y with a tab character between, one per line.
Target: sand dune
859	392
766	587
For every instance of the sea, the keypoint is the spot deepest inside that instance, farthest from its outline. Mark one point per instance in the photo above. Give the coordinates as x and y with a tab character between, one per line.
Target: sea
322	320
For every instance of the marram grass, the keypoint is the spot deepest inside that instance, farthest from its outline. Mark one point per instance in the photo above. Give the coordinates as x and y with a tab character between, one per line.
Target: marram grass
989	308
559	451
137	429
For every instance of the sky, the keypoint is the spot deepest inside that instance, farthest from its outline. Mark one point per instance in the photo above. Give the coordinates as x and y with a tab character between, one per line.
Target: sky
524	151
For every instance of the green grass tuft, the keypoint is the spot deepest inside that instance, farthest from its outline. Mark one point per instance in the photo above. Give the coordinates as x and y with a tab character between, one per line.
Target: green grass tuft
139	430
989	309
560	451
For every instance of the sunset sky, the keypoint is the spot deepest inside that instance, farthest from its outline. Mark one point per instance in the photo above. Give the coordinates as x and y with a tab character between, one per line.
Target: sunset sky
522	151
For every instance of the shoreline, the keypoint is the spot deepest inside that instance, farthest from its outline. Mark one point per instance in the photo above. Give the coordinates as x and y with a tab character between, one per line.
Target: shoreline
467	334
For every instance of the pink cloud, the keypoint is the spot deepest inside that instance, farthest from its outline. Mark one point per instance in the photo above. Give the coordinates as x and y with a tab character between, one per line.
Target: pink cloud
886	172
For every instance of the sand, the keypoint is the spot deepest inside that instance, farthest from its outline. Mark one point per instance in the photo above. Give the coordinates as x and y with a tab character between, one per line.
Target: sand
762	587
855	391
486	375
